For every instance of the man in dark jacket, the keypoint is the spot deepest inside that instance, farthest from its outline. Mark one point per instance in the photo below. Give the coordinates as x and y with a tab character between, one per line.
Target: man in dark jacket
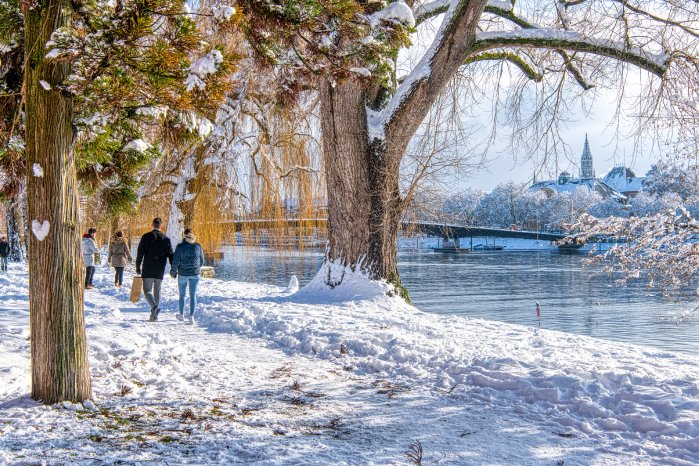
4	252
154	251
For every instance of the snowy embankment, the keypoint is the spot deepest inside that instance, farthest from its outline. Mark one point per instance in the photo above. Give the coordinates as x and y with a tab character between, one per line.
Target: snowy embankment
274	376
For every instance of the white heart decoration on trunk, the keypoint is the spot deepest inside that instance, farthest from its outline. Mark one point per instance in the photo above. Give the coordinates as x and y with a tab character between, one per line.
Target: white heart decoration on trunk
40	230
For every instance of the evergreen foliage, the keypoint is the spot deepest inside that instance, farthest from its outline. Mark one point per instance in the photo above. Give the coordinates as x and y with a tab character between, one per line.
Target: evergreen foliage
312	38
131	61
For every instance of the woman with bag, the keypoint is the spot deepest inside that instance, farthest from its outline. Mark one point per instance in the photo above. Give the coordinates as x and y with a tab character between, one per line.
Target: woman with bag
186	267
119	256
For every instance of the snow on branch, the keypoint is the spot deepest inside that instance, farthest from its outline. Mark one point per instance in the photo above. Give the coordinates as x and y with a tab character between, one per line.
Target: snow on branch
435	8
397	11
693	31
201	68
430	10
568	40
378	120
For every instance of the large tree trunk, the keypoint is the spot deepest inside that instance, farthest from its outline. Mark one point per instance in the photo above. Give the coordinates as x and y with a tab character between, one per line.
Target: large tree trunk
58	342
363	192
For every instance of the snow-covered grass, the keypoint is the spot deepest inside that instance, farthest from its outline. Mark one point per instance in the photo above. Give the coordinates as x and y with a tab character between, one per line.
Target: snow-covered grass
278	376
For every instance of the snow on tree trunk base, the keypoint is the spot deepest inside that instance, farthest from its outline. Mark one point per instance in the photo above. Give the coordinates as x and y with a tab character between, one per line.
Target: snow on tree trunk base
350	282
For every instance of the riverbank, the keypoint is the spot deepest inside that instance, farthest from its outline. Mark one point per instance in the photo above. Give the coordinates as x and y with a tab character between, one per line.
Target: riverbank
270	375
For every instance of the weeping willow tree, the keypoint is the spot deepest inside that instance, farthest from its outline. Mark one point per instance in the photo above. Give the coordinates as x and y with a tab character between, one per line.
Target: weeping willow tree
256	178
285	185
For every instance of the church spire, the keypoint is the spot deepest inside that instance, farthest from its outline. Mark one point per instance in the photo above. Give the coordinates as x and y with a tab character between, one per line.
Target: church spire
586	169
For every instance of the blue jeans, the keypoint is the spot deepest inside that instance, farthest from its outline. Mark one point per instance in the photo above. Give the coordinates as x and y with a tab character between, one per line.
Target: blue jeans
182	285
89	274
3	263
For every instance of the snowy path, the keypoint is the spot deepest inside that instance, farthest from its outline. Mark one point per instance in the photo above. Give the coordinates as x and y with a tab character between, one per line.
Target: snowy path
268	378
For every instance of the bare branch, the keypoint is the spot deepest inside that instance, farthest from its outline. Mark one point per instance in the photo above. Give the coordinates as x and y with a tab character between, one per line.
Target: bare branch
511	57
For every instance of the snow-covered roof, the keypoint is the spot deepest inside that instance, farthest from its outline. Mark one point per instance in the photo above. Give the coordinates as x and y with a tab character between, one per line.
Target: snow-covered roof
624	180
572	184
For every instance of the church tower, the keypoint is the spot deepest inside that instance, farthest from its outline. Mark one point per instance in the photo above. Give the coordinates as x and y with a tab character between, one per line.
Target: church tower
586	170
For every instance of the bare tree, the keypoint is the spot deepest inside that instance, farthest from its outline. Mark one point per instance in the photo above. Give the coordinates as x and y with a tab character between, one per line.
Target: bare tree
589	42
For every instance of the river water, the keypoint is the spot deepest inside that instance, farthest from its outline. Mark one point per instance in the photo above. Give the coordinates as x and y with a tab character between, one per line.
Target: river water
505	286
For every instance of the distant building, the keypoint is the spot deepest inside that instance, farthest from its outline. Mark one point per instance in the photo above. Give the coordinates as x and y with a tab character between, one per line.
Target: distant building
567	183
624	180
587	171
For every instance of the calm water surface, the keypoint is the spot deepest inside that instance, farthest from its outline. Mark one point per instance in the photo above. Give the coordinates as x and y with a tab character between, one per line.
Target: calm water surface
505	286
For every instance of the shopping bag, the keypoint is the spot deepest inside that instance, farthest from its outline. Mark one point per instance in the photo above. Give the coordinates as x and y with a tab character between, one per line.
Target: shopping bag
136	287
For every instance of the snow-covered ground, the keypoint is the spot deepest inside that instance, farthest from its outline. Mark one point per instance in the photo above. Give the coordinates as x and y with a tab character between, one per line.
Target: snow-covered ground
275	376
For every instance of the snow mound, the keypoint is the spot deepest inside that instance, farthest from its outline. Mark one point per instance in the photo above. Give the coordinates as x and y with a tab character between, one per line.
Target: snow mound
350	285
293	285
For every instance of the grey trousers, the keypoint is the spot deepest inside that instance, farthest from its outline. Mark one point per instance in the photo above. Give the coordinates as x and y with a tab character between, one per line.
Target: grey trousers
151	290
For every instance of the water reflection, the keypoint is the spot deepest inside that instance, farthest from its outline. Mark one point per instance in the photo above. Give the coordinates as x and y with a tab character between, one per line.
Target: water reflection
505	286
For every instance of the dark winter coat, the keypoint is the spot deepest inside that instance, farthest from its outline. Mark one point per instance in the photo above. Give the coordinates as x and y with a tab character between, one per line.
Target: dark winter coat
4	248
119	254
154	250
188	259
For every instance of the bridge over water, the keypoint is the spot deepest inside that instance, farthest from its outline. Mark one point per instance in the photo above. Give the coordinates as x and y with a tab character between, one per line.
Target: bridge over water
463	231
439	230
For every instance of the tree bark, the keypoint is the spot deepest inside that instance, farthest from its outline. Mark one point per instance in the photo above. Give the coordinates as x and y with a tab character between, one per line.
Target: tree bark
363	190
58	342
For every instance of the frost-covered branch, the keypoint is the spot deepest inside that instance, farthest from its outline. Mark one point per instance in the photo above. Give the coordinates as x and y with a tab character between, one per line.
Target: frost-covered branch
430	10
567	40
413	98
661	248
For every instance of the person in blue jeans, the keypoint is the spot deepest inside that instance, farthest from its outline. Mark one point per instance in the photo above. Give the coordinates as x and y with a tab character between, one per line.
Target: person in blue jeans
186	267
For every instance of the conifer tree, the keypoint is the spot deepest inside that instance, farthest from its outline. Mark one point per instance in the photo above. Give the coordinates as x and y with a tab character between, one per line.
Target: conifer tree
92	76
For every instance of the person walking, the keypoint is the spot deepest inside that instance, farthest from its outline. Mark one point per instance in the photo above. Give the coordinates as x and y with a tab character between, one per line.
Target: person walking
4	252
186	267
154	251
89	250
119	256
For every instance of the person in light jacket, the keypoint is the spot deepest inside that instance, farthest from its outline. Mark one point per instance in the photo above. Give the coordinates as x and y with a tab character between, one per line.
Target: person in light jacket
89	249
119	256
186	267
